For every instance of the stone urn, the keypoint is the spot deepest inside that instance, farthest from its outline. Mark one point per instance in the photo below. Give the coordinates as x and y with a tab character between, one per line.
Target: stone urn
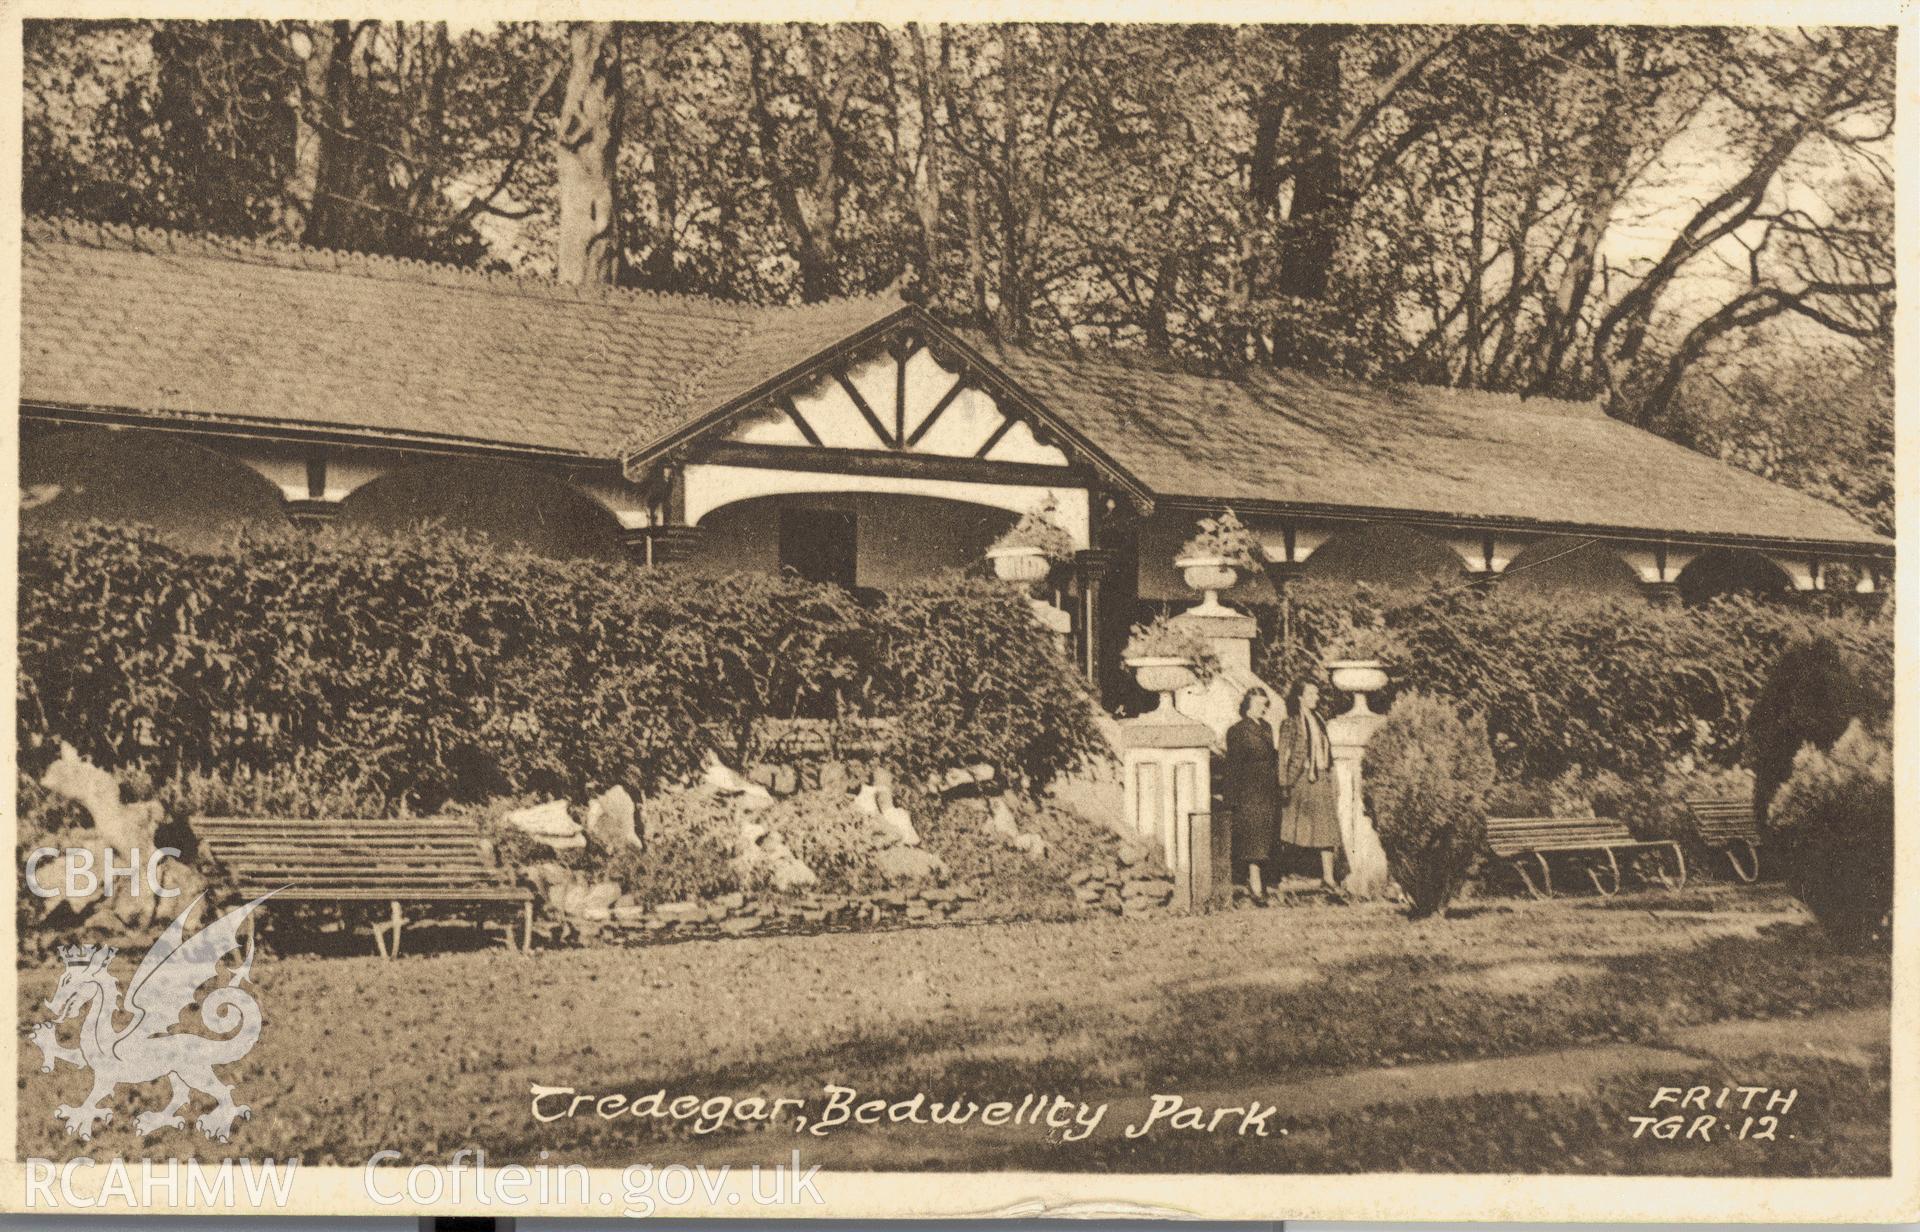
1358	677
1023	566
1209	575
1164	675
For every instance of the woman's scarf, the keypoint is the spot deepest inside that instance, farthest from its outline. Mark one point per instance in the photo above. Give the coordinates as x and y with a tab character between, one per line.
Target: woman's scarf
1319	748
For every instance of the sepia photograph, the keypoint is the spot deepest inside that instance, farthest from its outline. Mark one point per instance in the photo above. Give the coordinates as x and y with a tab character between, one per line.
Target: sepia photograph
699	617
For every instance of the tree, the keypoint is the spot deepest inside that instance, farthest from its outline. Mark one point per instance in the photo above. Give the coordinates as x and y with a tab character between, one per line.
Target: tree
586	148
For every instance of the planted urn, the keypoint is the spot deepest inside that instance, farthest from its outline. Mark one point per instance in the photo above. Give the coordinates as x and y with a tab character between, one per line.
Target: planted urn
1025	555
1214	559
1357	660
1165	658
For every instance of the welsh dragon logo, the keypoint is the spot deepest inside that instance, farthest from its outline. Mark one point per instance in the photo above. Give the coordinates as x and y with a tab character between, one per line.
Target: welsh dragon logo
147	1048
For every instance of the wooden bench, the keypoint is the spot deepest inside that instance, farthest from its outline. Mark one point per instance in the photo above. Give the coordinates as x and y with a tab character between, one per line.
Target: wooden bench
1729	826
358	863
1525	843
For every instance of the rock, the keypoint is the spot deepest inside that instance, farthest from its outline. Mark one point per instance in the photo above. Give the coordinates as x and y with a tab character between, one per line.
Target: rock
610	821
123	827
1001	819
740	925
550	824
866	800
732	902
833	778
600	897
1132	852
727	782
1032	844
906	864
548	879
938	894
681	912
900	825
629	913
762	854
977	779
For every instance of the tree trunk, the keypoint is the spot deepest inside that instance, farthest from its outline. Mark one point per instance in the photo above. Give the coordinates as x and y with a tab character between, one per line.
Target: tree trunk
1306	260
927	201
976	252
586	146
319	185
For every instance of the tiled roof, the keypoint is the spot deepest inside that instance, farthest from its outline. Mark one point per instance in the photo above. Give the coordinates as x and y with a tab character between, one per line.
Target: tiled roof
158	322
1281	436
164	324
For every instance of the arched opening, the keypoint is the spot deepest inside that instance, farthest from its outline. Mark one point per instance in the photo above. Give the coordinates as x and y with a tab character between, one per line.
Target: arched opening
510	506
1730	571
1567	565
867	540
196	496
1386	555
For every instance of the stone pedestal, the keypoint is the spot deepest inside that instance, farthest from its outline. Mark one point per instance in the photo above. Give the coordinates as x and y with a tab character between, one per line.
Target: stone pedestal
1367	875
1056	622
1167	776
1217	702
1228	632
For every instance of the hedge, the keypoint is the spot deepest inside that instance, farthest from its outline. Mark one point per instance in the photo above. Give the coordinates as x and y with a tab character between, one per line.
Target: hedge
1571	685
434	668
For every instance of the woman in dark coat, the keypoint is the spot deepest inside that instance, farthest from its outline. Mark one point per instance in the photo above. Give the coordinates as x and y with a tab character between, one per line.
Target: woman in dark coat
1252	791
1310	814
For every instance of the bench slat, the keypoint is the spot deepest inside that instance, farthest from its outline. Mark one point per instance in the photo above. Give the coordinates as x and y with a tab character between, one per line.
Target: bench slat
417	859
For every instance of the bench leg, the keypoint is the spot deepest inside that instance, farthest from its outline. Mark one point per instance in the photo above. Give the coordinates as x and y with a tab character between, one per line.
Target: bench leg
1613	867
1679	881
1540	889
398	922
379	931
1751	872
526	927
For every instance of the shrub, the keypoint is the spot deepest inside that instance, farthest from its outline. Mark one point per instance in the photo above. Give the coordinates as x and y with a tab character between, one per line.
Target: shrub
1810	697
1572	685
1428	771
690	837
361	674
1831	825
1655	806
969	676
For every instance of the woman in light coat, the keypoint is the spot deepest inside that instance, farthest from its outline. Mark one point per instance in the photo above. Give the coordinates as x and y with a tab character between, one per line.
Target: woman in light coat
1309	801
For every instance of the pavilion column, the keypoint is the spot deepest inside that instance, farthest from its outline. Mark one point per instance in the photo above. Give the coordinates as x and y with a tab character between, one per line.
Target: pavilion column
1091	566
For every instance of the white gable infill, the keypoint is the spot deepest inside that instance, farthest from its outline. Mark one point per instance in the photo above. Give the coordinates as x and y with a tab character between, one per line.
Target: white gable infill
908	403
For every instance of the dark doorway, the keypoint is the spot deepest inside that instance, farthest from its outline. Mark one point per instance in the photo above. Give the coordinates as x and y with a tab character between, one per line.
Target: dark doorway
819	545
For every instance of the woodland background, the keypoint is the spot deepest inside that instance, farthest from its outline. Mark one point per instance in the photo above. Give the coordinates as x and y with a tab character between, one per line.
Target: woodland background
1692	225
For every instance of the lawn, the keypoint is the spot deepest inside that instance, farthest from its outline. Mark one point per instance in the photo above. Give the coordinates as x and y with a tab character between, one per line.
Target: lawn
1518	1035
